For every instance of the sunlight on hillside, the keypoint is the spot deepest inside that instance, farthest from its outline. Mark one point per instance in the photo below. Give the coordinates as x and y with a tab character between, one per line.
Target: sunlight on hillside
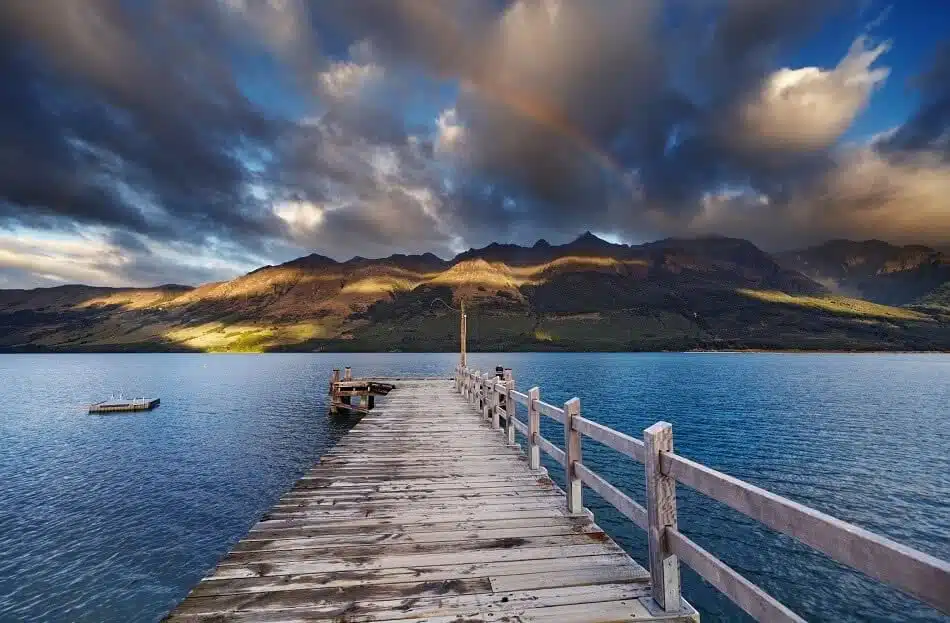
571	262
215	337
378	285
834	304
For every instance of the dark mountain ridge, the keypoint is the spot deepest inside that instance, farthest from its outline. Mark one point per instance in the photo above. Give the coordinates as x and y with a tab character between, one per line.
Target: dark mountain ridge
873	269
587	294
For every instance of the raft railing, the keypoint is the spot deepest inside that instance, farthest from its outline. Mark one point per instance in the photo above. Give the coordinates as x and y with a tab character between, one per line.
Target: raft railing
913	572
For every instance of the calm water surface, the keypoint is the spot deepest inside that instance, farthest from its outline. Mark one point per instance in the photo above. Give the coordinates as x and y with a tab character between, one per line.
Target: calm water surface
114	518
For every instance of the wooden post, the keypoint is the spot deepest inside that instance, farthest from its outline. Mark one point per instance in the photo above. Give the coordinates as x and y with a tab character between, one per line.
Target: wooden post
661	514
572	450
464	337
479	395
495	404
334	380
486	405
534	428
509	410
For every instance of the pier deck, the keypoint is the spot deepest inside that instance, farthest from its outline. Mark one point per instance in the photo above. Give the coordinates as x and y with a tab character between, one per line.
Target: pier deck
424	512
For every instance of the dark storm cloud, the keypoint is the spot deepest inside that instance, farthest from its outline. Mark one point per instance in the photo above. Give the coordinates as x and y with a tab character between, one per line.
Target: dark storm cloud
929	127
125	115
248	129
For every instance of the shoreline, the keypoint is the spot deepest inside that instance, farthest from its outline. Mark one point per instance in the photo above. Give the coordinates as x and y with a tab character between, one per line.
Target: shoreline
776	351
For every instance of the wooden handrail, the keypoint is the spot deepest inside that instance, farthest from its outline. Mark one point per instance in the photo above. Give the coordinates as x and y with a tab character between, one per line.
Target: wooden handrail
625	444
521	427
617	498
551	450
918	574
752	599
551	411
925	577
520	398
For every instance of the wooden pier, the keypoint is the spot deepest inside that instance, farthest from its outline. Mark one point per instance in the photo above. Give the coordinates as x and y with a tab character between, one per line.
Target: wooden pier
427	510
424	512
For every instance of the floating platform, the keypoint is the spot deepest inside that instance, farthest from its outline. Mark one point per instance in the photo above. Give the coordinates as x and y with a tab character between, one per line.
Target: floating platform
122	405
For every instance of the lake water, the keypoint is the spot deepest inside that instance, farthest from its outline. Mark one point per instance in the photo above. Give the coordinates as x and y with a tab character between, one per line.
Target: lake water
114	518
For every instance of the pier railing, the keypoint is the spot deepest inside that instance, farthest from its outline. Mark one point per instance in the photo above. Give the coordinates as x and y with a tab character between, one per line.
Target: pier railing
918	574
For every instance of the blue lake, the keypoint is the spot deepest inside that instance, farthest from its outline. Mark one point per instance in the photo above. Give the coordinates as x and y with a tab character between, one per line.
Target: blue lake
114	518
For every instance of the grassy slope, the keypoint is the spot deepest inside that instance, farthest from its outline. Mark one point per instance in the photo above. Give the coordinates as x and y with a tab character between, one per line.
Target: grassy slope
681	301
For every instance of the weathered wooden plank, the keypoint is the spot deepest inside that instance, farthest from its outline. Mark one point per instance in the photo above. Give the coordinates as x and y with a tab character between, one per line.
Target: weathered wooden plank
406	484
356	511
320	496
382	548
386	529
307	505
281	542
310	605
398	518
586	576
495	570
330	564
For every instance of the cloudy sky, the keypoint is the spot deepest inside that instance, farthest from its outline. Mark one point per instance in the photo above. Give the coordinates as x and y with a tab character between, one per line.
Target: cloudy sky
192	140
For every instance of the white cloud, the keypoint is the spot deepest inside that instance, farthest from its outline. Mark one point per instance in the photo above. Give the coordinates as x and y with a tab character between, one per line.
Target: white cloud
451	132
35	257
302	217
348	79
61	258
810	108
866	195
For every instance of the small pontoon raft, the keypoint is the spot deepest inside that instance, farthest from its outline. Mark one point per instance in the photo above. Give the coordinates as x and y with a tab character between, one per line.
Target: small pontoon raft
118	404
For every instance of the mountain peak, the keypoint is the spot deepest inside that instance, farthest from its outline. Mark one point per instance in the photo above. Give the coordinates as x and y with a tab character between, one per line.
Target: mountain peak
587	236
541	244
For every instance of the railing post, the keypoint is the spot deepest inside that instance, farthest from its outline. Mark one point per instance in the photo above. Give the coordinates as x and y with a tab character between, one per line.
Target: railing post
661	514
485	403
534	428
572	450
510	410
476	380
495	403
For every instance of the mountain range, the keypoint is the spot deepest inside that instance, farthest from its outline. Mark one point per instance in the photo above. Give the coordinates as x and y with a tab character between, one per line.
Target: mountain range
589	294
